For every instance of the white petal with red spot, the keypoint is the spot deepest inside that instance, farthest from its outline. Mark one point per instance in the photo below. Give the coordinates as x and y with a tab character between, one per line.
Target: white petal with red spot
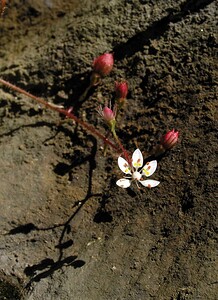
149	168
137	159
124	166
136	171
149	183
124	183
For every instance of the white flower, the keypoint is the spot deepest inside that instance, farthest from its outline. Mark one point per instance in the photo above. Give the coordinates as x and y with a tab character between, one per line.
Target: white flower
134	173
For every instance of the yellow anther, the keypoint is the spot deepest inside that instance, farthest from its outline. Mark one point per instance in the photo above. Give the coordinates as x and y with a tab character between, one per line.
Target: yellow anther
146	172
137	164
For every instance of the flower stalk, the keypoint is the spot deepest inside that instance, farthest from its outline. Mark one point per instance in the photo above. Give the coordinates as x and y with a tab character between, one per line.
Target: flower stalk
62	111
109	116
125	154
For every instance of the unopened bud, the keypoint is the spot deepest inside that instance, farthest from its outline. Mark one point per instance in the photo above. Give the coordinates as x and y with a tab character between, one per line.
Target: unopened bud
108	115
169	139
103	64
121	89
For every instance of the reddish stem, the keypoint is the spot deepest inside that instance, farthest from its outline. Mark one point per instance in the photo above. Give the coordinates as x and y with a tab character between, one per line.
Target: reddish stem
90	128
125	154
2	9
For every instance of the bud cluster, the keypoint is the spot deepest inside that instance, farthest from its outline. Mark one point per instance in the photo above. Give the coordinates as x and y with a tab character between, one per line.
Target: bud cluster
133	167
102	66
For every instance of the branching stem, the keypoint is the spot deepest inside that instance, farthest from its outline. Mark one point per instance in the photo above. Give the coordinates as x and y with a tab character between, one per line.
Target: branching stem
62	111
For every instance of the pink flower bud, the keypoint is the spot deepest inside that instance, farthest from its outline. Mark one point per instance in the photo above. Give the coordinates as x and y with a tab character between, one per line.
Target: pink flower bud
103	64
108	114
169	139
121	89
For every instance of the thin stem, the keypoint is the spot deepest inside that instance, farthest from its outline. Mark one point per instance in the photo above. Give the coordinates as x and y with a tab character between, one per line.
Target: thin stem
121	146
105	145
84	94
95	79
62	111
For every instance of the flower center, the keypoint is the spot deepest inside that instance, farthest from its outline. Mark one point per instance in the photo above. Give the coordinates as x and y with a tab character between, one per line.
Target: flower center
136	175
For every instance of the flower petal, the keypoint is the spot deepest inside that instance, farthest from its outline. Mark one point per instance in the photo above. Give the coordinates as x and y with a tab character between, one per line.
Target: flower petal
149	168
149	183
124	183
123	165
137	159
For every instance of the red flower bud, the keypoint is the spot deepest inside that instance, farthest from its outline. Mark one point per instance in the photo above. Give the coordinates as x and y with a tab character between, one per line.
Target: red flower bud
103	64
169	139
121	89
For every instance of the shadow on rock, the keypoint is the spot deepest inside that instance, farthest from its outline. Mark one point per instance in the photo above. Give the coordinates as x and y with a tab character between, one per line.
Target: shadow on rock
50	267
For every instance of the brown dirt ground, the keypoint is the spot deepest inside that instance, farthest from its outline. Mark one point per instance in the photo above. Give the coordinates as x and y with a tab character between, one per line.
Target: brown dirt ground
67	231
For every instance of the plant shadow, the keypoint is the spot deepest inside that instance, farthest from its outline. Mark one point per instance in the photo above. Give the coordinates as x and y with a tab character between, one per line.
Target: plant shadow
48	266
